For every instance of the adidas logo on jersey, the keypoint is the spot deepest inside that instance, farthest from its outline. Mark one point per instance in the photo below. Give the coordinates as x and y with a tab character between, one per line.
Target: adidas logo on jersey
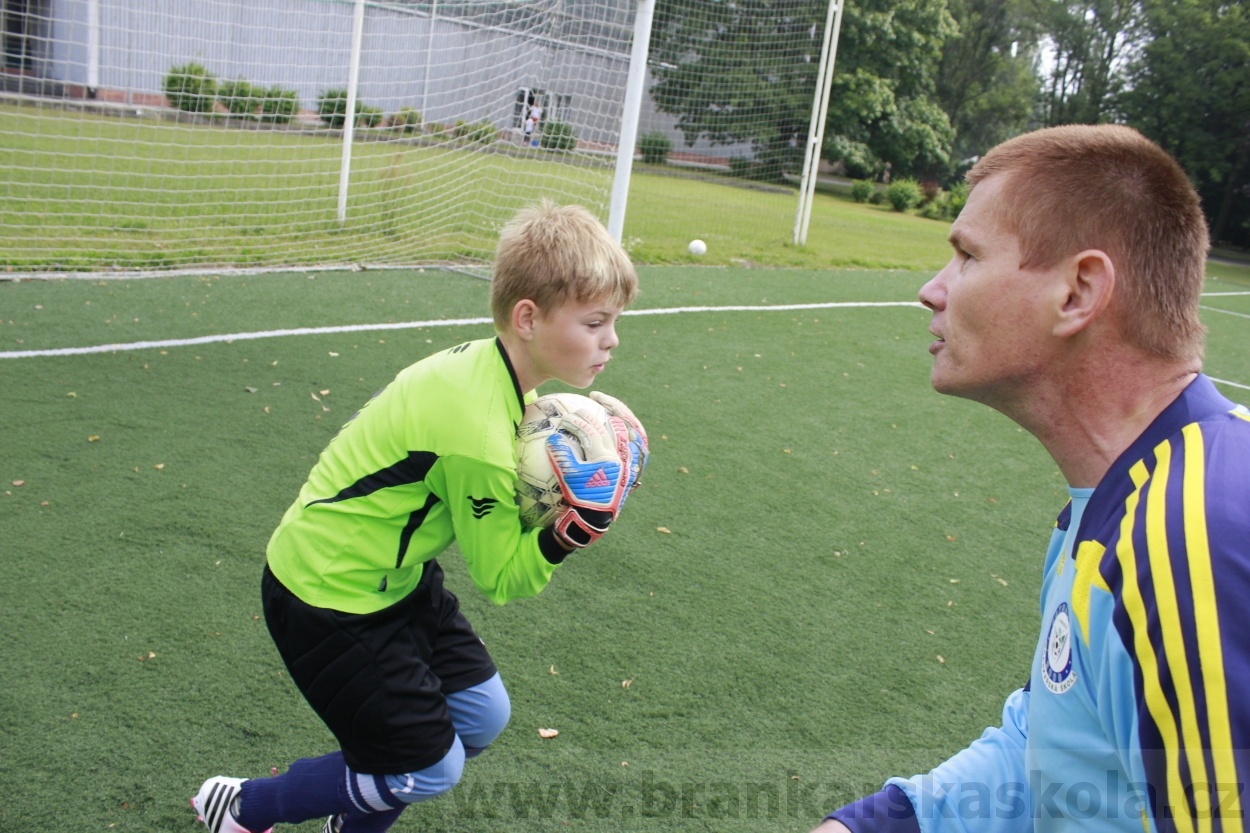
482	506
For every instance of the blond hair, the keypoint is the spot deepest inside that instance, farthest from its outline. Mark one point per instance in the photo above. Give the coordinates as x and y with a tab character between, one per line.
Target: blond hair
1110	188
553	254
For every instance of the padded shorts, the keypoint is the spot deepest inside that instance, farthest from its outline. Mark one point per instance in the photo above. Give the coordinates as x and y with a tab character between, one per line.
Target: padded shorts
379	680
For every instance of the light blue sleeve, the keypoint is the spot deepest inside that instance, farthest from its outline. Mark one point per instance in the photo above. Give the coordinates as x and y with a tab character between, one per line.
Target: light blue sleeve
984	788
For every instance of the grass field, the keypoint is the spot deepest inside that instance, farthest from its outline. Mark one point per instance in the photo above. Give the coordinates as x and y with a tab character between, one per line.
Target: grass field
81	191
845	590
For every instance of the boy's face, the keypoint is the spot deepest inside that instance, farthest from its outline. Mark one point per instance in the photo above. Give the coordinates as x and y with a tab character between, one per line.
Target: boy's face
574	341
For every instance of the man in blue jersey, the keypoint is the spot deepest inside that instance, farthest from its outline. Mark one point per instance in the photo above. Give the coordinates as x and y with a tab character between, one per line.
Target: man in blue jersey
1070	305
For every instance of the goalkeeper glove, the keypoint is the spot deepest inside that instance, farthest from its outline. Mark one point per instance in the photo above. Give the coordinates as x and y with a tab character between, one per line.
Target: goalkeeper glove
593	478
637	450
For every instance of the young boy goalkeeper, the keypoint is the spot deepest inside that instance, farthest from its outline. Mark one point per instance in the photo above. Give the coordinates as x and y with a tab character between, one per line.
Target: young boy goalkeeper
352	594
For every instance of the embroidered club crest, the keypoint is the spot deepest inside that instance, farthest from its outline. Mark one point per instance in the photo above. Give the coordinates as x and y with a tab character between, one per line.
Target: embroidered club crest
1057	653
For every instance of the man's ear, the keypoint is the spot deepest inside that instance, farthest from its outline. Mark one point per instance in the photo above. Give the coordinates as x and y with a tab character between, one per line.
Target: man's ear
523	315
1090	283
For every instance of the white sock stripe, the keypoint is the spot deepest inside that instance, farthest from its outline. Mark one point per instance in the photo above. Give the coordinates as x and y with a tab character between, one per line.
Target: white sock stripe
368	790
351	791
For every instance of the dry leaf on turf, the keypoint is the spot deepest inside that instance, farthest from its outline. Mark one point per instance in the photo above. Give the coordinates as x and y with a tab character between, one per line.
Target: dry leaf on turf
664	529
19	482
547	733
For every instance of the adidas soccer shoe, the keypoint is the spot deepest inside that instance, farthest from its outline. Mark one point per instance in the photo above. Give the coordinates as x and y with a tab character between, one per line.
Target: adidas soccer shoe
213	803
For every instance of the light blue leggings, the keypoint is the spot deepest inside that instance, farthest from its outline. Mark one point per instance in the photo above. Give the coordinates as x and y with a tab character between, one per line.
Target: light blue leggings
479	714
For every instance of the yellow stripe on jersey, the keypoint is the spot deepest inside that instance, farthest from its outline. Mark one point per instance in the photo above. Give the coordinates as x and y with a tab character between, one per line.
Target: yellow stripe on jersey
1156	702
1088	556
1242	414
1173	630
1210	650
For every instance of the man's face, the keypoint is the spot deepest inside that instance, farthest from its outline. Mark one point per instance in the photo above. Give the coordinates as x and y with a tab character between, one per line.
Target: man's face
989	315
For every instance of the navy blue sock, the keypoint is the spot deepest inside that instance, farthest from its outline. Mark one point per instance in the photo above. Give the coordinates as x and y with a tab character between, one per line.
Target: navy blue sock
311	788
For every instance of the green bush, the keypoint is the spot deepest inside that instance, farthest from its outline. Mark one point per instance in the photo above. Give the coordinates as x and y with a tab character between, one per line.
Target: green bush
483	131
958	196
655	147
929	191
407	119
191	87
557	135
862	190
767	165
903	194
947	204
332	109
239	96
937	208
773	160
278	105
741	166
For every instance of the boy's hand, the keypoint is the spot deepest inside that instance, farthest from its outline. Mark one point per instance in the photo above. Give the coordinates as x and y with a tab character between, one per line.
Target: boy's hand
638	449
593	478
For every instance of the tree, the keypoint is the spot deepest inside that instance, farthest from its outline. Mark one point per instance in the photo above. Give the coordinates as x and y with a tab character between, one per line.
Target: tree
1191	93
986	81
1089	42
745	71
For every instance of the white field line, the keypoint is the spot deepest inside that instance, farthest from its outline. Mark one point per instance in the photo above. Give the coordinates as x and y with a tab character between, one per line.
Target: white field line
1230	384
1222	294
406	325
1225	311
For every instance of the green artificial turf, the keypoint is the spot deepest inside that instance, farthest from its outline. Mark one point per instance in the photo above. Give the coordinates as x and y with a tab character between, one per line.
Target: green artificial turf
829	576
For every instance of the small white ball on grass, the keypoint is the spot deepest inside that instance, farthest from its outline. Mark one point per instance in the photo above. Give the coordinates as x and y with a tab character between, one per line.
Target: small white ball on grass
697	247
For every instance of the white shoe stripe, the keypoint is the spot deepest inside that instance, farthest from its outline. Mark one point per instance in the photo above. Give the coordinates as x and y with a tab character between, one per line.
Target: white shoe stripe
218	801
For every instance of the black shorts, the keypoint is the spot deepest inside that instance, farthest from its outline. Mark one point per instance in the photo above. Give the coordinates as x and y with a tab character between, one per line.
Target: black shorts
379	680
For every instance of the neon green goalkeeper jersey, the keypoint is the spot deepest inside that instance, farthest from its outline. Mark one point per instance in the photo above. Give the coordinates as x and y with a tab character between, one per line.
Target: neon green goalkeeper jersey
429	460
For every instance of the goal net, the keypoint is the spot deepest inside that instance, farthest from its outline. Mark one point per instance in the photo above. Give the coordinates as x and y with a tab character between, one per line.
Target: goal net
147	135
143	134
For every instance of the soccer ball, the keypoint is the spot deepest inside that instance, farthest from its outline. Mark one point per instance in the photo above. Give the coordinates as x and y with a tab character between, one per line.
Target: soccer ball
697	247
538	492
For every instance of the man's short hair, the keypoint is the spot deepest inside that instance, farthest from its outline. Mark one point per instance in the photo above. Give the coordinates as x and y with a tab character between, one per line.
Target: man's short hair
1110	188
554	254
